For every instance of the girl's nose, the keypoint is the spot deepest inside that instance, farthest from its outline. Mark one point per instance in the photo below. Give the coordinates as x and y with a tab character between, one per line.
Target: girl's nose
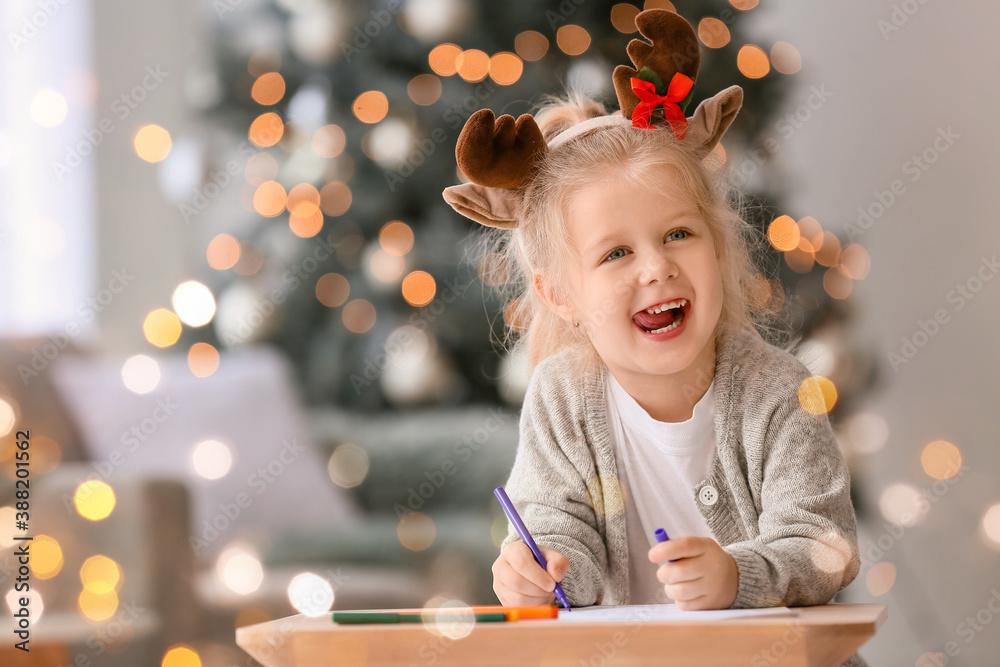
657	265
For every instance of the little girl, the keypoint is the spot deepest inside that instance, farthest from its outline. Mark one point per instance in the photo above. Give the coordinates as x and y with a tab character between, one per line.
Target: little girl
653	401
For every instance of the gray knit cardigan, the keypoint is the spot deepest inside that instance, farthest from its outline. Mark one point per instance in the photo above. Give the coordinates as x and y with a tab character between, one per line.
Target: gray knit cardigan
777	498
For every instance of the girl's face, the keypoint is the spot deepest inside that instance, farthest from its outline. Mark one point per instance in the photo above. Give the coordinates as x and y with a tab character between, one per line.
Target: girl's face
640	250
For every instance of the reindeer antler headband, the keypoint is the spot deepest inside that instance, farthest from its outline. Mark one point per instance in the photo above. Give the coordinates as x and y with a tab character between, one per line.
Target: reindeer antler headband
498	155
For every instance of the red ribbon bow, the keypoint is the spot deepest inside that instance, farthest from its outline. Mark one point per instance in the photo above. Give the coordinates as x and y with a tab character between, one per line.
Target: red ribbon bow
678	89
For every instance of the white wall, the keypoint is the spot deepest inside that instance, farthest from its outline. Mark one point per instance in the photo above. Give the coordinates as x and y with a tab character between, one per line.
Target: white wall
890	97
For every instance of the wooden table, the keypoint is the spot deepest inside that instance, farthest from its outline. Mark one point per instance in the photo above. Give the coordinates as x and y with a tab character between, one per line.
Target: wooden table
819	636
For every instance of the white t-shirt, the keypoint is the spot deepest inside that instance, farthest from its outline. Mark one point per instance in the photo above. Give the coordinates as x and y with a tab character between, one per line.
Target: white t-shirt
659	463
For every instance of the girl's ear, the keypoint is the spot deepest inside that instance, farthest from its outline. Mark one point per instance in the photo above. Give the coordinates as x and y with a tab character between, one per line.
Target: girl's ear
555	303
493	207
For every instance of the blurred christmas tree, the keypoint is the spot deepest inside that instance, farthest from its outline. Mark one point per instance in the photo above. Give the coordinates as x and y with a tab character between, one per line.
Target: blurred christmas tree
346	256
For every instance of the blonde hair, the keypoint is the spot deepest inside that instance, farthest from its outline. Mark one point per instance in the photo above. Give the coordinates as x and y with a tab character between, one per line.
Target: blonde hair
507	259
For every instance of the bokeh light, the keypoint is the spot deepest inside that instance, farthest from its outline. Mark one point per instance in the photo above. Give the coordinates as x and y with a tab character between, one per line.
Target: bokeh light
371	106
799	260
419	288
572	39
623	17
268	89
941	459
424	89
836	283
991	526
335	198
396	238
358	316
223	252
152	143
867	432
713	33
416	531
306	226
270	198
193	303
310	594
97	606
828	252
162	327
332	290
48	108
348	465
810	234
505	68
94	500
901	504
239	570
7	417
211	459
473	65
531	45
752	62
880	578
181	655
785	58
855	261
329	141
817	395
783	233
266	129
260	168
46	559
443	59
140	374
100	574
203	360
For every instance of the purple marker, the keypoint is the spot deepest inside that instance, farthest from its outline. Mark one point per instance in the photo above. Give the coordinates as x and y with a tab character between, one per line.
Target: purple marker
508	508
661	536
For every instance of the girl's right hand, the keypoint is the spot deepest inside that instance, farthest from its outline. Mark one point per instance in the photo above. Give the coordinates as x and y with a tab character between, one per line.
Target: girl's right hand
519	581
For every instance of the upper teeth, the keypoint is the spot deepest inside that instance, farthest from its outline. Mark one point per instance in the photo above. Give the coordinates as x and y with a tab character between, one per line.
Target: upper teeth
665	306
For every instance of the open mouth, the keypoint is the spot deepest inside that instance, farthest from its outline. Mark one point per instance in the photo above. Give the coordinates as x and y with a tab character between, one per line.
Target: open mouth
668	319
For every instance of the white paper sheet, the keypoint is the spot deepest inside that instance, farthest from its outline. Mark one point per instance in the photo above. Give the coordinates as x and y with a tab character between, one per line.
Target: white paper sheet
665	612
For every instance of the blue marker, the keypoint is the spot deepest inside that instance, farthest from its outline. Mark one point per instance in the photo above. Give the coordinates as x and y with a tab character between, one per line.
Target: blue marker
508	508
661	536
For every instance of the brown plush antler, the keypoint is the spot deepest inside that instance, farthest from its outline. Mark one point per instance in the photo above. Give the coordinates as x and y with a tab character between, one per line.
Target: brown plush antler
501	153
674	49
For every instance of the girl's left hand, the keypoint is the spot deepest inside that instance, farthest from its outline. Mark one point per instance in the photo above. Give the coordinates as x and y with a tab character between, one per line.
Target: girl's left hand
703	576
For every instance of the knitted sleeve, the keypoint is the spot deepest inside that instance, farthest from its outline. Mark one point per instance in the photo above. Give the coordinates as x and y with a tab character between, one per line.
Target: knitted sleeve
807	547
548	489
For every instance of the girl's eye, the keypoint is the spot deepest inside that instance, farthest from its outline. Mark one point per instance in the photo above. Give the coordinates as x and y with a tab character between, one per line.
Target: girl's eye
670	237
